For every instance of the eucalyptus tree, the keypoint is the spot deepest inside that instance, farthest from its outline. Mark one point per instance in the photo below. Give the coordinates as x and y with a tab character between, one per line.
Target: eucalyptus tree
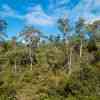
14	45
51	38
94	30
64	27
14	53
57	40
3	26
31	37
9	50
79	28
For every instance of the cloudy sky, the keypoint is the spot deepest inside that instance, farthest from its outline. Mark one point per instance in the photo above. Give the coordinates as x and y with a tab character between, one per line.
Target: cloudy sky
43	14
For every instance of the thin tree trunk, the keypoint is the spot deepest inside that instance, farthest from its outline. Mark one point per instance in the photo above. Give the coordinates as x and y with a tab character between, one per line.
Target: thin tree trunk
31	65
15	67
31	60
81	48
70	62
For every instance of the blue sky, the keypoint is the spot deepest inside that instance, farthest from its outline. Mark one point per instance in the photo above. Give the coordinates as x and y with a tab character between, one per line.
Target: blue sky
43	14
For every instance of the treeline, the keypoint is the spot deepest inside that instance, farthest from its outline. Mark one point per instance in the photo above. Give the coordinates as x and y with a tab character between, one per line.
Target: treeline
35	66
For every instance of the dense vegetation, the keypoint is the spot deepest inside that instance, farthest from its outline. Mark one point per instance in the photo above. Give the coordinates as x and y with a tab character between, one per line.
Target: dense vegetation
34	66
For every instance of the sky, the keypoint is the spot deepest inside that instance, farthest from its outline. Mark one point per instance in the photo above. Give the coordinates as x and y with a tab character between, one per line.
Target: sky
43	14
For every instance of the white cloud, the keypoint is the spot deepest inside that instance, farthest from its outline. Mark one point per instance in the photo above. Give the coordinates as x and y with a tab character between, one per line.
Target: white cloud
6	7
93	19
37	16
7	11
84	9
40	20
64	1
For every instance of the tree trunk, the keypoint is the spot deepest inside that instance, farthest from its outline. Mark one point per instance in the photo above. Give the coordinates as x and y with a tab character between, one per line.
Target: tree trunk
70	62
31	60
15	66
81	48
31	65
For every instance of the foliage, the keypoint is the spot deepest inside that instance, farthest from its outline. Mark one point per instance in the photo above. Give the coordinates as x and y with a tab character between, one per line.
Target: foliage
48	78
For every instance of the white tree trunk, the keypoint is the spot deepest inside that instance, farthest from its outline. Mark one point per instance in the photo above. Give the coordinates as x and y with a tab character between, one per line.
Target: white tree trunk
31	60
15	65
81	48
31	65
70	62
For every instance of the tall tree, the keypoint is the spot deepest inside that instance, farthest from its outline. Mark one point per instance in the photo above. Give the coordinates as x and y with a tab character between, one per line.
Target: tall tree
3	26
94	30
64	27
80	30
31	37
14	43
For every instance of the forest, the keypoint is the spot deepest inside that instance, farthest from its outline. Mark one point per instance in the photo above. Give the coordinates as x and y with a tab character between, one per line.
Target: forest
35	66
